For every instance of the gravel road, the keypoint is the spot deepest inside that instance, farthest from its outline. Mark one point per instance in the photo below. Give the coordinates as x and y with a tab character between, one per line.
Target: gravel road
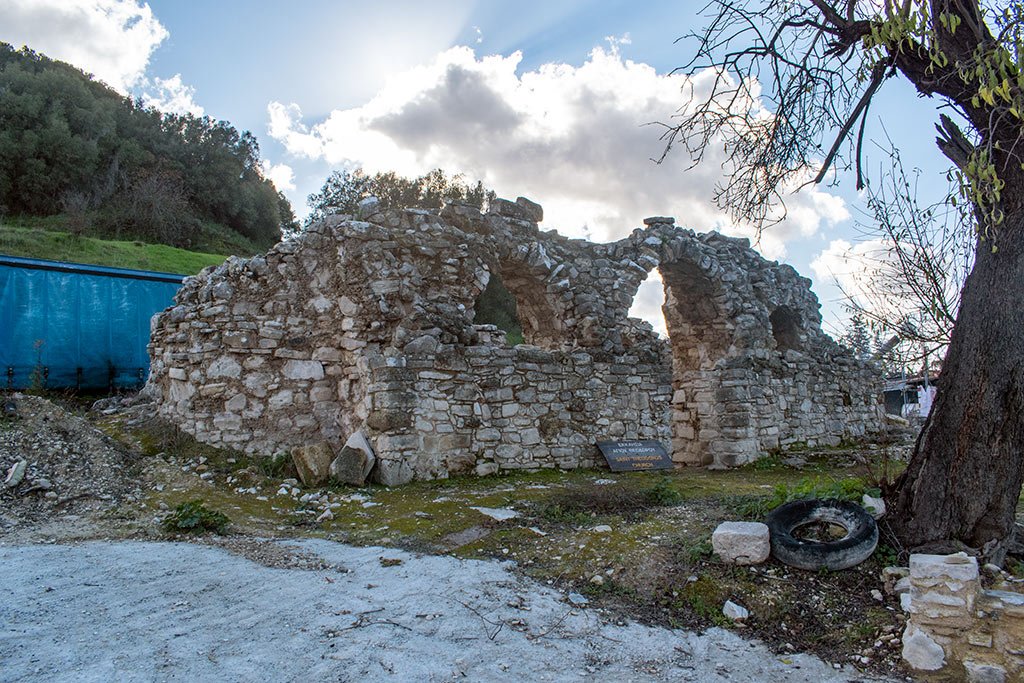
318	610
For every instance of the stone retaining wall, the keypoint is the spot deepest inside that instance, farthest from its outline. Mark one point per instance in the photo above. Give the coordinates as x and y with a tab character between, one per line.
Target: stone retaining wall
958	628
368	325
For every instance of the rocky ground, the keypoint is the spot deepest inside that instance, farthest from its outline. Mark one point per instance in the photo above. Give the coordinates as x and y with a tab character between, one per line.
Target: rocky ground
621	548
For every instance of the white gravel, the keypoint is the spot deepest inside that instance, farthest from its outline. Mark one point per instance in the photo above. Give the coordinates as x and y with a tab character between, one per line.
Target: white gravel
134	611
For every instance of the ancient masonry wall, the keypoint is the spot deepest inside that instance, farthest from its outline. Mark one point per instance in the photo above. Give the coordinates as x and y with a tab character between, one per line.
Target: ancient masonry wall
958	628
367	325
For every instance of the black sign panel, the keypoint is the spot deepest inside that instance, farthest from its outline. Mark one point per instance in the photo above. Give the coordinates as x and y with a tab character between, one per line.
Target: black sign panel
635	456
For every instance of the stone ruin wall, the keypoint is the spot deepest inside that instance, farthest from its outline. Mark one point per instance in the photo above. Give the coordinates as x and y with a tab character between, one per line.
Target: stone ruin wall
958	628
367	325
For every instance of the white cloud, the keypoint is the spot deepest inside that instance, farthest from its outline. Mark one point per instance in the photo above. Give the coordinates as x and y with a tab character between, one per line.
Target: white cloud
172	96
112	39
856	269
572	138
281	175
647	303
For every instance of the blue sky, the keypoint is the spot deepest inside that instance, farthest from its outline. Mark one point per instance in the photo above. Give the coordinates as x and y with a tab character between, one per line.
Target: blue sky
546	99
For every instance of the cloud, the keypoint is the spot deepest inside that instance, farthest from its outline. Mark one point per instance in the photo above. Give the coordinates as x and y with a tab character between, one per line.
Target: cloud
647	303
571	137
281	175
112	39
172	96
857	269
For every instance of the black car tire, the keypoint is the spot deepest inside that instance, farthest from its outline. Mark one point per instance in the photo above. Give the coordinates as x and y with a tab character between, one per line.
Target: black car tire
850	550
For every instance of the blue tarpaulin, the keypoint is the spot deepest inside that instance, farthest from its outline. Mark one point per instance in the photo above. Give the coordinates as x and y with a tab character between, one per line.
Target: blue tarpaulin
76	325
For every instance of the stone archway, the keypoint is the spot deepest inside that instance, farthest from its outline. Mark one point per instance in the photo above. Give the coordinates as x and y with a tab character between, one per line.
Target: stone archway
541	325
699	336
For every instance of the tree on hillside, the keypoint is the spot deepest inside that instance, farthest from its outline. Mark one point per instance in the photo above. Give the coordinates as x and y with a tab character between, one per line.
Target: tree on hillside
64	135
820	64
343	190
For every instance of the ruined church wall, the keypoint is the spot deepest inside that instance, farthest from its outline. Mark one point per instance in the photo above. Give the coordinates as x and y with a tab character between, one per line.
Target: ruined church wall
367	325
489	407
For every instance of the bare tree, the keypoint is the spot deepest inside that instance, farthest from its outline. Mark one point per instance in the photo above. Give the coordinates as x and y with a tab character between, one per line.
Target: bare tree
910	268
793	84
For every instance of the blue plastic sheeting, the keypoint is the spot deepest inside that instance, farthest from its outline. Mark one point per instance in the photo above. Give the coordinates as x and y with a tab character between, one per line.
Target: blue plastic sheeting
77	325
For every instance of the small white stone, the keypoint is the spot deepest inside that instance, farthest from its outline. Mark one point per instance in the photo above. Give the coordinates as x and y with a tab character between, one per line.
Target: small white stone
734	611
601	529
500	514
577	599
874	506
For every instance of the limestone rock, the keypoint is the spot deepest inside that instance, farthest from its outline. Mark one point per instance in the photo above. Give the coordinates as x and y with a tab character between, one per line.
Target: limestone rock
874	506
394	472
741	542
485	469
735	612
920	651
354	462
984	673
16	474
367	207
313	463
531	210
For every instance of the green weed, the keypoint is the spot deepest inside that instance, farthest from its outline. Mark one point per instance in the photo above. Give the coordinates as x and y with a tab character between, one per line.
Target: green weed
195	518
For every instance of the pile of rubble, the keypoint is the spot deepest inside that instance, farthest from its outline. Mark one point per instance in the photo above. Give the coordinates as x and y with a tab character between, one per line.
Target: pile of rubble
54	462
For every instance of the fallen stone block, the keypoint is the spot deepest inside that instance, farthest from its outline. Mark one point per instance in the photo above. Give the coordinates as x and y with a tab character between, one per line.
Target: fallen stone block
313	463
354	461
741	542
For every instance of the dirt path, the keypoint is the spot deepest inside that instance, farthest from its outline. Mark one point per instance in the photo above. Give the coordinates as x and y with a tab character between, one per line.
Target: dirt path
139	611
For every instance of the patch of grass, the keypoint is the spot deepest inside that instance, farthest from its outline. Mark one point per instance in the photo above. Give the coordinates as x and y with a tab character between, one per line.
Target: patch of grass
608	587
275	466
579	505
662	493
158	436
195	518
772	461
705	597
755	507
699	551
63	246
570	515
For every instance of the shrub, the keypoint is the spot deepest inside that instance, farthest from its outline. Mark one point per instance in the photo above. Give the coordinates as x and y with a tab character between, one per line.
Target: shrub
195	518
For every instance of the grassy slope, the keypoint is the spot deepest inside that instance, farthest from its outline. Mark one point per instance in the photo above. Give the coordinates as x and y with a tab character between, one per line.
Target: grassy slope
62	246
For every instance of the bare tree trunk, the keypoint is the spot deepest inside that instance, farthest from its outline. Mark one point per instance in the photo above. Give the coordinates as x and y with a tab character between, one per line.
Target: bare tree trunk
964	479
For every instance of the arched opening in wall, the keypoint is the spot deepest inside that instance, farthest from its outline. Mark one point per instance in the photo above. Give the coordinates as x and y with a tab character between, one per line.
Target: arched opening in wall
699	336
785	328
496	306
696	329
540	325
649	303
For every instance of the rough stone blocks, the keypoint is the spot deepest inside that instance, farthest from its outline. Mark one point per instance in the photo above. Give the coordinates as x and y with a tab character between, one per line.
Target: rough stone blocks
741	542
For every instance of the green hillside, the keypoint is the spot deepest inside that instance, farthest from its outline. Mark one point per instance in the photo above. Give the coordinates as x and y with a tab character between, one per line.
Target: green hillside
63	246
71	147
